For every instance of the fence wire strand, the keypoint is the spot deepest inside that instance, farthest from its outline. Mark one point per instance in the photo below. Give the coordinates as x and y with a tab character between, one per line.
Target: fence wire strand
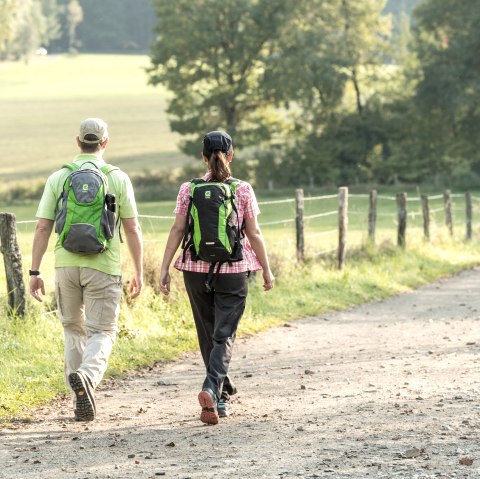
276	202
324	197
320	215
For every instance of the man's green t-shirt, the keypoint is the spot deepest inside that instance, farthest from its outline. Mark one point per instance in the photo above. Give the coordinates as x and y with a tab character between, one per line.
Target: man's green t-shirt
120	185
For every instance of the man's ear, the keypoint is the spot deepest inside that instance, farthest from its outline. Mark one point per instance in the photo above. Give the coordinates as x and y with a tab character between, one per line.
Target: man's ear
79	143
104	144
230	156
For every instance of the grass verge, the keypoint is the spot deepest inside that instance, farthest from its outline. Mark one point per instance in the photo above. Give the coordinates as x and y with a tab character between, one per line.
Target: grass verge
154	329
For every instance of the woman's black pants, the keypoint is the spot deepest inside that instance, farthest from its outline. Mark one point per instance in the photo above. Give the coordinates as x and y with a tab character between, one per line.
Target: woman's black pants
217	314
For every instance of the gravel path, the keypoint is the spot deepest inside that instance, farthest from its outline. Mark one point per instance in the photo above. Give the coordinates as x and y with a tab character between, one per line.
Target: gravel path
386	390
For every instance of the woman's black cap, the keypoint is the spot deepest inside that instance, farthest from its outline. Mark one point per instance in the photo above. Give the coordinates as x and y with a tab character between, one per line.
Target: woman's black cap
217	140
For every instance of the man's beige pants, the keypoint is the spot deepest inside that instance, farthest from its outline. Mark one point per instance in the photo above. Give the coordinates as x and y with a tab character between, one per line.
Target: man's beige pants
88	306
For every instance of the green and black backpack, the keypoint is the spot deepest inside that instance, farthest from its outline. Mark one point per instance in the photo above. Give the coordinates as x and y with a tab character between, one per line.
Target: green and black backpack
85	218
212	229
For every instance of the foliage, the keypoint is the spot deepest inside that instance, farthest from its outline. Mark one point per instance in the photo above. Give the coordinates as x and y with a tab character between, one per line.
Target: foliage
25	25
74	25
212	55
7	32
107	26
447	42
324	123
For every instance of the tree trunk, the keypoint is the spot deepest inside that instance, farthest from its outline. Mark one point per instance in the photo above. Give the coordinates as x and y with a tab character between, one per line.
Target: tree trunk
13	264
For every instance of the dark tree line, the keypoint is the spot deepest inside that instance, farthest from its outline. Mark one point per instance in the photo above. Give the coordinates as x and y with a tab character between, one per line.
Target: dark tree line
327	91
74	26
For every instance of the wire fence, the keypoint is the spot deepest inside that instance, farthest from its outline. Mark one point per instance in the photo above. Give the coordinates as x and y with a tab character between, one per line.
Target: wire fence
314	226
305	226
310	226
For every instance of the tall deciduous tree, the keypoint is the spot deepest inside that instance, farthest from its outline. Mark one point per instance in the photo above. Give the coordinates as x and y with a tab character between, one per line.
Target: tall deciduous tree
332	67
212	54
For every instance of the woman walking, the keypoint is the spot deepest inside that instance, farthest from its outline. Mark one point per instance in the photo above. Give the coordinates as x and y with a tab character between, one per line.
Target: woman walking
217	291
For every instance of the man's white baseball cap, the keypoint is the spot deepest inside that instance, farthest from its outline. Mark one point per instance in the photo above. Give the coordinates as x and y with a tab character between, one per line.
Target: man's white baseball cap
95	127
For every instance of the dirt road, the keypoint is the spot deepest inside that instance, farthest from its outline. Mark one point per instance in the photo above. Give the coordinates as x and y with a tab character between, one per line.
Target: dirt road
386	390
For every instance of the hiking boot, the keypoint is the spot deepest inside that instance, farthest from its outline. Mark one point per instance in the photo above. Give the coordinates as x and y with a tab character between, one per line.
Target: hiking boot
85	397
223	407
209	414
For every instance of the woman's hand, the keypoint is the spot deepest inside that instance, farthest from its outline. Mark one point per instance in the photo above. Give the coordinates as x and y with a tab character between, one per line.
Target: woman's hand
268	280
165	282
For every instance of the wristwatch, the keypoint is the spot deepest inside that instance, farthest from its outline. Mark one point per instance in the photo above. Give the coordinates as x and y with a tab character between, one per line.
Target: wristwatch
33	272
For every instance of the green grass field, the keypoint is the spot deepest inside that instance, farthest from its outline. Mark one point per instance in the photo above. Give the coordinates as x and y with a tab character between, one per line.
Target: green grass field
42	104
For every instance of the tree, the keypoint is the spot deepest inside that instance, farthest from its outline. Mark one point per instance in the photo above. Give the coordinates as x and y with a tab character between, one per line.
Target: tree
27	28
74	16
50	11
331	72
7	8
116	25
212	54
26	25
448	92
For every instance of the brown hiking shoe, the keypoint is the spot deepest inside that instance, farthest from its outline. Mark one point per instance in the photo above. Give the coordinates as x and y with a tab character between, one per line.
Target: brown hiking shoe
209	413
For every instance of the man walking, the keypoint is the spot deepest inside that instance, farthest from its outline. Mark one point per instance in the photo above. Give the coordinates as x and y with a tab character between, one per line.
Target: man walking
88	283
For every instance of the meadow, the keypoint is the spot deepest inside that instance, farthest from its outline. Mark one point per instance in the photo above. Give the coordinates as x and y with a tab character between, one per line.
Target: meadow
42	104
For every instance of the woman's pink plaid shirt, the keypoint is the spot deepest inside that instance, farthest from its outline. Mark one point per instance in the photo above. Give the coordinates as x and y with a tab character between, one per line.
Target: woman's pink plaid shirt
247	207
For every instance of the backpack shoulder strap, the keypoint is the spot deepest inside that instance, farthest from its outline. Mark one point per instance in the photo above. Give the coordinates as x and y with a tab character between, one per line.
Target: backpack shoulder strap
233	183
108	168
187	241
71	166
194	182
197	181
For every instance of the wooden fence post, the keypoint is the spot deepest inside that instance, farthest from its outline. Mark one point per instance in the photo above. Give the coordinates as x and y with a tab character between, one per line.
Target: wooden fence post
468	213
342	225
372	216
426	218
299	224
13	264
447	205
402	218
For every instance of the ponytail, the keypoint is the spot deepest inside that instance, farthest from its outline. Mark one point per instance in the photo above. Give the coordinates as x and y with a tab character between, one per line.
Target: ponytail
218	166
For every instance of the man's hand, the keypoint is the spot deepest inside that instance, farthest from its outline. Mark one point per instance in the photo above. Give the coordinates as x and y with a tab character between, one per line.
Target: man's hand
133	235
36	286
136	285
